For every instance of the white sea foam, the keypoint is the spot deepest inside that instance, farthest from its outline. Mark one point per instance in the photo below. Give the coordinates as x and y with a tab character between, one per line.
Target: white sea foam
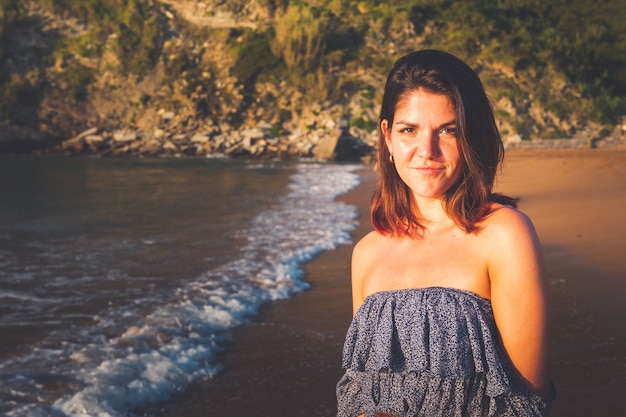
173	345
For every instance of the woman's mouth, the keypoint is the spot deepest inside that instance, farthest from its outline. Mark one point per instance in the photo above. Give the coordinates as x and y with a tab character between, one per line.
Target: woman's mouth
429	171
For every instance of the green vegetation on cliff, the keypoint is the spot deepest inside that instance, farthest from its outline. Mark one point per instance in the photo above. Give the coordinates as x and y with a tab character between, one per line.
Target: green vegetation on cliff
552	67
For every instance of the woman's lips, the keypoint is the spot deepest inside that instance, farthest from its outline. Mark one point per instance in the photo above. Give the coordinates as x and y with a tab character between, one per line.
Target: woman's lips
429	170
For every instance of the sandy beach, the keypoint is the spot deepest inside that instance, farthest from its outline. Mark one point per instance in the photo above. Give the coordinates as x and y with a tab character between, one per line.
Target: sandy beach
287	361
576	199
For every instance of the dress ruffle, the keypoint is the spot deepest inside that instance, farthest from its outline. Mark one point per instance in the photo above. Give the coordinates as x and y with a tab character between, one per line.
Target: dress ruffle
430	352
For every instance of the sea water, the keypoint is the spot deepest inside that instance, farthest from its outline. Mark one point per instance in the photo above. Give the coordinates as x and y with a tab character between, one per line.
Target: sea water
119	278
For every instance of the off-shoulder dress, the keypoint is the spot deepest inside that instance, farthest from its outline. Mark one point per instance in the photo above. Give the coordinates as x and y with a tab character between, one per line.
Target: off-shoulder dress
430	352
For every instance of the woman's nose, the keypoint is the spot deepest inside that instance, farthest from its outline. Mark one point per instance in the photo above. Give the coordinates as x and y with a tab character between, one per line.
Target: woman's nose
428	146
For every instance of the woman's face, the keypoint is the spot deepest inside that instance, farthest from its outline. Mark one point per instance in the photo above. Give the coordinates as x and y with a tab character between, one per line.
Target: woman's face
423	142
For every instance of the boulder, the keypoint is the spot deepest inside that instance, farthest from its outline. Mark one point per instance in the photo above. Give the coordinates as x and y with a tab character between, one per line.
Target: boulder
167	116
325	149
88	132
94	139
74	145
350	148
253	133
23	139
169	146
152	147
341	148
199	138
122	137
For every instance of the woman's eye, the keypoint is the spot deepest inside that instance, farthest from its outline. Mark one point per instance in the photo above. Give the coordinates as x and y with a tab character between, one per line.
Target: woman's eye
448	131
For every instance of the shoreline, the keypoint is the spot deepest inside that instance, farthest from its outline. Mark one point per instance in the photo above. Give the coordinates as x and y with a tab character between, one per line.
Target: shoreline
257	142
287	360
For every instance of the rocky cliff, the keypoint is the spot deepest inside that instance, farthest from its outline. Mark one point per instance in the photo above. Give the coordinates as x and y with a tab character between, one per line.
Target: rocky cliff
255	78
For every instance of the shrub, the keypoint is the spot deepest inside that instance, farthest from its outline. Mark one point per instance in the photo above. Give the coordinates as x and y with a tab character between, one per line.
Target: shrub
11	90
253	57
77	77
299	38
363	123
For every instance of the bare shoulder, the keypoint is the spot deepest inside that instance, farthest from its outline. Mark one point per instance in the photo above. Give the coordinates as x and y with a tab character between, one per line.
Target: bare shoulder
506	227
370	242
367	250
506	219
510	242
365	258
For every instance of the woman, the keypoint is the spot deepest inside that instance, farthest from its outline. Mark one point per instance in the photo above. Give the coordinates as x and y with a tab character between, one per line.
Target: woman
449	294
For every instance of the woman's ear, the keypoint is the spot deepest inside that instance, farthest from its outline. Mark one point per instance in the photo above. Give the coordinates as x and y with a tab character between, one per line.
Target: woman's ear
384	128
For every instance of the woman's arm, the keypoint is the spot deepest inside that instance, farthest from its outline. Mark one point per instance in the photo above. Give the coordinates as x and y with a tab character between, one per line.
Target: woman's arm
362	258
519	296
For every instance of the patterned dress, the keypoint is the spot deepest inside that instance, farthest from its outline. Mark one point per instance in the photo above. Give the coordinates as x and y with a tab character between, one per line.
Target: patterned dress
430	352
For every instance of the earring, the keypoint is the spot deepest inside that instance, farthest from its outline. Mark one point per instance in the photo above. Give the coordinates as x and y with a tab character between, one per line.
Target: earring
391	158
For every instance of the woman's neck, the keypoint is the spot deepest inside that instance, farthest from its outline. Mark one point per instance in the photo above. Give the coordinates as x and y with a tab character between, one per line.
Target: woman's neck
433	214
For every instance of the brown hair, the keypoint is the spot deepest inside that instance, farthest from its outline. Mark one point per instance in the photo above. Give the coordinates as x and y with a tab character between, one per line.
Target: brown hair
394	210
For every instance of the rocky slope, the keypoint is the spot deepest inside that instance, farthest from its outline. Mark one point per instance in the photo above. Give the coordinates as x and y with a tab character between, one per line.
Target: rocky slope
197	98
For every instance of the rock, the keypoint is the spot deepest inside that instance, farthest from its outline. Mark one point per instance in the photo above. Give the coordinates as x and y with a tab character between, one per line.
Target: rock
304	148
75	145
341	148
167	116
23	139
200	150
253	133
121	136
199	138
219	141
234	150
94	139
325	149
87	132
152	147
169	146
95	144
208	148
350	148
246	143
516	138
296	134
121	150
134	146
265	125
330	124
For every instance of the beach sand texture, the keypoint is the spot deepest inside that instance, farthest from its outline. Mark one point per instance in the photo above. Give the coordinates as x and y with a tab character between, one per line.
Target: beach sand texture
286	362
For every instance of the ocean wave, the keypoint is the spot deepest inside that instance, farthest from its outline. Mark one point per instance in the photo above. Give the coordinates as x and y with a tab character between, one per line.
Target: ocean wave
133	357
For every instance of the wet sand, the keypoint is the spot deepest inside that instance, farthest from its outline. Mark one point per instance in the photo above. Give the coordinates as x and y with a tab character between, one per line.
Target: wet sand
287	361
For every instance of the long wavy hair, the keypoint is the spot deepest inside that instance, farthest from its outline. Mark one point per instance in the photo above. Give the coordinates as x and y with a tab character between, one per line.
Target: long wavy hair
394	210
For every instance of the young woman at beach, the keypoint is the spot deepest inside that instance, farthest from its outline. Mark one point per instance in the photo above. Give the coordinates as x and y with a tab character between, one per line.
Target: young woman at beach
449	294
